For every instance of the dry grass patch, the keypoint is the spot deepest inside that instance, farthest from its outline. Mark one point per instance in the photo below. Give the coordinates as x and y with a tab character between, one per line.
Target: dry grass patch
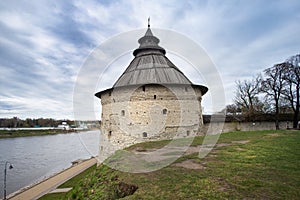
190	164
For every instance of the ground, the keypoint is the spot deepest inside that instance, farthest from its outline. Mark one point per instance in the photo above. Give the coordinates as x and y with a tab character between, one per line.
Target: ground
244	165
26	133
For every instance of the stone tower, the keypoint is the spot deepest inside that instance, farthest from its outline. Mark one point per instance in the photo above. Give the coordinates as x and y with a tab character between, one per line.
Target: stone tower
151	100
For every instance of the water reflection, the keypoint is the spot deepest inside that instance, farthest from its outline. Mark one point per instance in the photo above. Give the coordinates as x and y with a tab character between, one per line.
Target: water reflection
38	157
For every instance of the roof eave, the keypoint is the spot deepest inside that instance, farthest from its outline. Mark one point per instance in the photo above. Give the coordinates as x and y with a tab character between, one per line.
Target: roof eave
202	88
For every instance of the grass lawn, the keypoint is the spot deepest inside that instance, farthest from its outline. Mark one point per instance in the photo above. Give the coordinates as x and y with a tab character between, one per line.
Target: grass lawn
245	165
26	133
69	184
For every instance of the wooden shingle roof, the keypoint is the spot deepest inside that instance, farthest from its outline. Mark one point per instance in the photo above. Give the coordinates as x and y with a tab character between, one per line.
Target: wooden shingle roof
151	66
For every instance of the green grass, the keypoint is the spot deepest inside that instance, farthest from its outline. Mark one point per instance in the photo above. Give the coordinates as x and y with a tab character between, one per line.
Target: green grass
265	167
69	184
53	196
149	145
75	180
27	133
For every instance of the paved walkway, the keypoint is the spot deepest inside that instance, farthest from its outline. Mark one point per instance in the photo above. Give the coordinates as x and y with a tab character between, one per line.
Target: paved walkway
61	190
51	183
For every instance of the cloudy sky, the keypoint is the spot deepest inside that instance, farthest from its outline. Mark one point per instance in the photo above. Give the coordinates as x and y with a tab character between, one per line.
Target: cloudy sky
44	44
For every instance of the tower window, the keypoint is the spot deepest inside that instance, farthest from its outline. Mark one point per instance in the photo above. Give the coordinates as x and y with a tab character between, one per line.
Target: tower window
164	111
109	133
123	112
144	88
187	133
144	134
154	96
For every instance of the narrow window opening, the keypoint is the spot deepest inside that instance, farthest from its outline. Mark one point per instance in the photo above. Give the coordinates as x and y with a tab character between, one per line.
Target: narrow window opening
165	111
186	89
144	134
123	112
187	133
154	97
109	133
144	88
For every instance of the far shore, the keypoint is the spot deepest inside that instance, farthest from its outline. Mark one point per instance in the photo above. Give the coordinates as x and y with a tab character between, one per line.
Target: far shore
23	132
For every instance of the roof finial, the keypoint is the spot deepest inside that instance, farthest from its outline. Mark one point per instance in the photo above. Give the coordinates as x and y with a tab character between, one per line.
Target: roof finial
148	22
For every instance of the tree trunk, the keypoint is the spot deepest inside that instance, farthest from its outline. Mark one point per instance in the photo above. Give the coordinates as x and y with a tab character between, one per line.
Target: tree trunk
296	119
296	113
277	115
277	123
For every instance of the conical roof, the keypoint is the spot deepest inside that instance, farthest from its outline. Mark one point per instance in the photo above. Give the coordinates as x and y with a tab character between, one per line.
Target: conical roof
151	66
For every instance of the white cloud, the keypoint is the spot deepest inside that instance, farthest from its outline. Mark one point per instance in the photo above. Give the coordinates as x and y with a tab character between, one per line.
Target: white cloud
44	43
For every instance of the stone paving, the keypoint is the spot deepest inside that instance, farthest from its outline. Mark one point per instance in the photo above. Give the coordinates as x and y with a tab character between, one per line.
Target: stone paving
50	184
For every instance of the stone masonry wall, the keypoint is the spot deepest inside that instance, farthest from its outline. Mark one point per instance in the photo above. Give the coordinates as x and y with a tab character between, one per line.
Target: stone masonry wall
244	126
153	112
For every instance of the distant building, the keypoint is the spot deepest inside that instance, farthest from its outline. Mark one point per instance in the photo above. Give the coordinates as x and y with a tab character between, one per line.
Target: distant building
64	126
151	100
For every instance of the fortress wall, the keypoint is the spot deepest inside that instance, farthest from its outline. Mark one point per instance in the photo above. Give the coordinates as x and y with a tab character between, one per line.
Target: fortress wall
243	126
154	112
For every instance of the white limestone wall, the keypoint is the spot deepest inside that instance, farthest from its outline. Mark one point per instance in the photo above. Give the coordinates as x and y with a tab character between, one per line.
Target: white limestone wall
154	112
218	127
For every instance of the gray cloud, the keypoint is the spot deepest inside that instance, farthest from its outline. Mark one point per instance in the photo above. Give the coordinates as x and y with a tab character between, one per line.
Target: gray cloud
44	43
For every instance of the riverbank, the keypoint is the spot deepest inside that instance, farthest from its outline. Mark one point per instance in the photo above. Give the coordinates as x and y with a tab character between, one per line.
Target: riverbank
38	132
243	165
38	157
39	189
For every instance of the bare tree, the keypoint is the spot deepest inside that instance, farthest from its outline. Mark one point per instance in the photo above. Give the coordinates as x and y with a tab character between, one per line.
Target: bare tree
273	85
291	92
246	96
232	109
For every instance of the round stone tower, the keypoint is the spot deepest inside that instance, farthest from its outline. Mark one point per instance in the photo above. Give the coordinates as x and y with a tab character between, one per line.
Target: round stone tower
151	100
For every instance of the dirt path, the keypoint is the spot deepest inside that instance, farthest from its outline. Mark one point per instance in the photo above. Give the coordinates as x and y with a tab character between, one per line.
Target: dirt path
51	183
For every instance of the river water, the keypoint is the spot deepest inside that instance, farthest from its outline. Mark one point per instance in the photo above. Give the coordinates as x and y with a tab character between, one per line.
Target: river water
37	157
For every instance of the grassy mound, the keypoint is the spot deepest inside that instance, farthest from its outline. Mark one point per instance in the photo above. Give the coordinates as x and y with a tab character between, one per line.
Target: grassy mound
27	133
244	165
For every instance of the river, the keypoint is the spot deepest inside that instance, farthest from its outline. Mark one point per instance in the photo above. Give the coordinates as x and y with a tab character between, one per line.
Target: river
37	157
